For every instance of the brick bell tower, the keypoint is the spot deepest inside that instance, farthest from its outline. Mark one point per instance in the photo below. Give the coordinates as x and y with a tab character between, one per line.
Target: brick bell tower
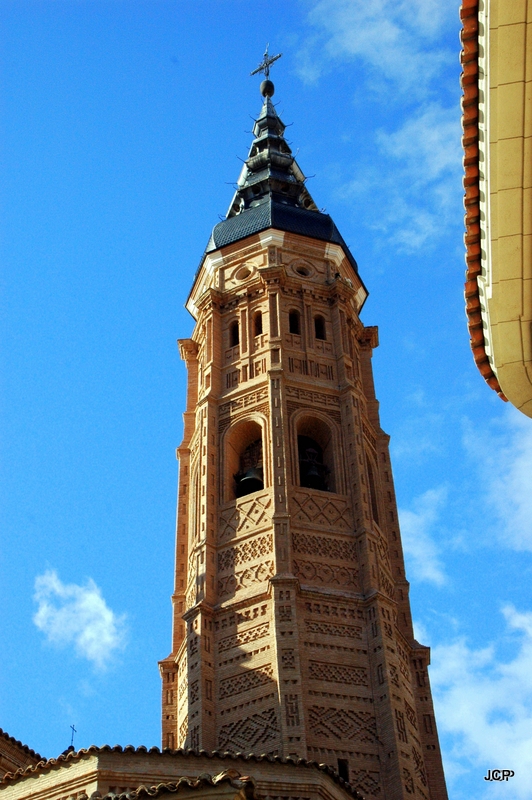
292	632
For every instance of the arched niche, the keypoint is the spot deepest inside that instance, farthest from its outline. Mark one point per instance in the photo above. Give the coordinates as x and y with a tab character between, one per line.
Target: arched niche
257	323
316	451
244	459
234	333
294	322
320	331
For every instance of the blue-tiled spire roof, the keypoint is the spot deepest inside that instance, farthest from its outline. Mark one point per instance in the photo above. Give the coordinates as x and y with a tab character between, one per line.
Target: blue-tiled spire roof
271	191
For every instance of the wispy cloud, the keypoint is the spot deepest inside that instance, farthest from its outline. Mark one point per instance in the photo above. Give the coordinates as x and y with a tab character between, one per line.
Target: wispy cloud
428	142
418	185
504	459
485	706
418	524
394	39
413	176
69	614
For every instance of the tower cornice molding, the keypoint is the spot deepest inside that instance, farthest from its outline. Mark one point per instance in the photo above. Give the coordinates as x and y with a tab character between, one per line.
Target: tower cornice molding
369	336
188	349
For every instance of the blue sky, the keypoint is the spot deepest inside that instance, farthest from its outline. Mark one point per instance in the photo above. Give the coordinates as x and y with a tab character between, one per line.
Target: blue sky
122	126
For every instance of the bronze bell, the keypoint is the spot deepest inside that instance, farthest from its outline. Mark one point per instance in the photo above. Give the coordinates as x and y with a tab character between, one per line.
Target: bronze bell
250	482
314	477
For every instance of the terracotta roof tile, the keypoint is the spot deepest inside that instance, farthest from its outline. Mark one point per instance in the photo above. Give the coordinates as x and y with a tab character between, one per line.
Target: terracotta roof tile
74	755
230	776
20	745
469	83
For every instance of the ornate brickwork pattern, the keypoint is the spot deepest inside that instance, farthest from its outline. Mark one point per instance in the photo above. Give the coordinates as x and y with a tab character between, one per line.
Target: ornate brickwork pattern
194	692
401	727
243	637
316	369
246	400
287	797
288	659
409	781
343	724
333	629
404	671
245	681
324	511
338	673
385	584
246	577
245	516
194	737
335	610
252	550
410	715
369	436
291	705
183	732
419	766
241	617
193	645
382	547
326	573
248	733
365	781
190	599
313	398
324	546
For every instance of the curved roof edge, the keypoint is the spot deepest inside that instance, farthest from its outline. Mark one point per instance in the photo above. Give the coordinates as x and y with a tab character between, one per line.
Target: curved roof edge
92	750
19	744
470	143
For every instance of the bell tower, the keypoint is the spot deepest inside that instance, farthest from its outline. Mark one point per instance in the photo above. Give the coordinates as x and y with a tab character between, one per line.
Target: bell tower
292	632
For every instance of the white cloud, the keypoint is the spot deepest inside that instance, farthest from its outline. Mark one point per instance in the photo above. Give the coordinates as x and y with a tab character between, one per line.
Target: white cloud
421	632
485	708
418	181
413	176
69	614
394	38
428	143
504	459
421	551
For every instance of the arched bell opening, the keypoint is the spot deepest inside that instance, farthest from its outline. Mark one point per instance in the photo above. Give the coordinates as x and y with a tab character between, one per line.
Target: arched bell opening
315	451
294	322
234	334
319	328
244	460
257	324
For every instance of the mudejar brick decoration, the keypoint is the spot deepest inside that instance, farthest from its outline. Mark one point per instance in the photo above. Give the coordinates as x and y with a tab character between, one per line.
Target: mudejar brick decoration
292	632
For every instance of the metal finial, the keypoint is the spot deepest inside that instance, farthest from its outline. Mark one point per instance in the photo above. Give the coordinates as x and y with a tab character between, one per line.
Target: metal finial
266	63
72	737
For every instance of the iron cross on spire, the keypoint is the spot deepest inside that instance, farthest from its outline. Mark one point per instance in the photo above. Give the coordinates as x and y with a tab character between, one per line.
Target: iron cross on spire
266	63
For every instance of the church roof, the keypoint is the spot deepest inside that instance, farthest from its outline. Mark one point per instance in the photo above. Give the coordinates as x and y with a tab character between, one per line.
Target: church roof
93	750
15	755
271	190
245	785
